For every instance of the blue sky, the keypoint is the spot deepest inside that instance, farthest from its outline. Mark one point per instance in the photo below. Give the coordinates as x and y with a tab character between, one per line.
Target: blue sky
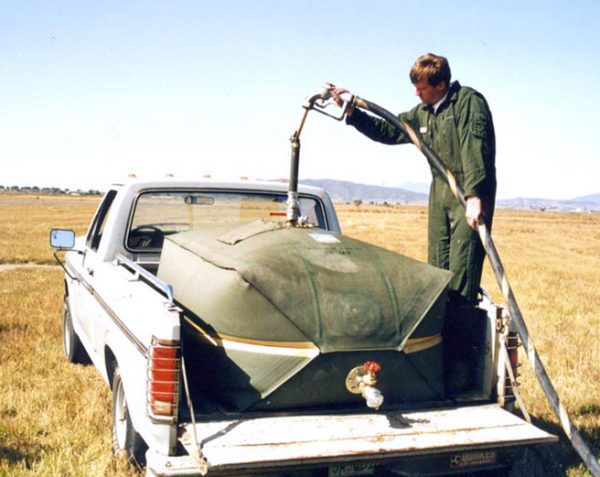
94	90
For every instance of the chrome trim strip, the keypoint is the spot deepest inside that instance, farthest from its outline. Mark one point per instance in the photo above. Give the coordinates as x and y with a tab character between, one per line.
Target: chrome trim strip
126	331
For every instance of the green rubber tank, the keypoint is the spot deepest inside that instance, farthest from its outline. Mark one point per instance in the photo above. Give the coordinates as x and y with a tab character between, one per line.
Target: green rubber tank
276	317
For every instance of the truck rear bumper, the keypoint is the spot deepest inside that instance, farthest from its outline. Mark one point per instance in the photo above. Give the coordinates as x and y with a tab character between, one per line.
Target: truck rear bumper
287	442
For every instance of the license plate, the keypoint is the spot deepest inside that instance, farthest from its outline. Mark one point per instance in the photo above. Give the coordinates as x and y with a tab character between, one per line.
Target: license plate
348	470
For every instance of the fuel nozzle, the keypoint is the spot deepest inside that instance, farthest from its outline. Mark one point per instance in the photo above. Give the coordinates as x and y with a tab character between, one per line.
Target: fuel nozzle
319	99
362	379
322	100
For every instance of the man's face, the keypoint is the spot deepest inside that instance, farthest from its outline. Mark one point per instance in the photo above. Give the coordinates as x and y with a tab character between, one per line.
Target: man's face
429	94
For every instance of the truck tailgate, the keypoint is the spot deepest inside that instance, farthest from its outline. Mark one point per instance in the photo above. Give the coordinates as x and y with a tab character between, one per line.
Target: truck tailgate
276	442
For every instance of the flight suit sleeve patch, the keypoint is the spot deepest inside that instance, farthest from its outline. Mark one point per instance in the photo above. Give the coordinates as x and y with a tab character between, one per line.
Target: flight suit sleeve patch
479	125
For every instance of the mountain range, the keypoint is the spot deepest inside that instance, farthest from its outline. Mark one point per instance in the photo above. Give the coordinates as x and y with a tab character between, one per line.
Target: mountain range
346	191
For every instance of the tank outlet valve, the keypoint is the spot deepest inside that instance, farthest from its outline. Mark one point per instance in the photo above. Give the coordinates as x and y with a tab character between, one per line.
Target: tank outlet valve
373	397
362	379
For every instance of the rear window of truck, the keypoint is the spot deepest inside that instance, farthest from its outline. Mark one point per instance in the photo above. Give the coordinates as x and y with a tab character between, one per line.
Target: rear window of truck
160	213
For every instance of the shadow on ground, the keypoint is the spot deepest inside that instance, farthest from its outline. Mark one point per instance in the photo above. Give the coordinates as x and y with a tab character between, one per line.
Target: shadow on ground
555	460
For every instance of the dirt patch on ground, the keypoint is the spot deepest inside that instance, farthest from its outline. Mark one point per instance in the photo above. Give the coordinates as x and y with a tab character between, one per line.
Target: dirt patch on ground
4	267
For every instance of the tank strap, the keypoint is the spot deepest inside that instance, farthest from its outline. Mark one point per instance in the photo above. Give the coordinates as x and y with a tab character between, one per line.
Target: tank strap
420	344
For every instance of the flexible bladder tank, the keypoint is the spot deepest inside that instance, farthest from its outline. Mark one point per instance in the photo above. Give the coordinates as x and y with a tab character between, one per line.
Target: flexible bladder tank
276	317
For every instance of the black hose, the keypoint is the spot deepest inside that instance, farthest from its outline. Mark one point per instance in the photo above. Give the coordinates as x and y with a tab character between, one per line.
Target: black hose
513	308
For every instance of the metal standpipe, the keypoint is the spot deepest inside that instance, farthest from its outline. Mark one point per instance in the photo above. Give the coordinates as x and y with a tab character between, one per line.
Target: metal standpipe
293	208
513	308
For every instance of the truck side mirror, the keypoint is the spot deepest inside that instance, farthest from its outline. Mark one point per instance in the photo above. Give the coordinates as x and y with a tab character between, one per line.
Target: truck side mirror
61	238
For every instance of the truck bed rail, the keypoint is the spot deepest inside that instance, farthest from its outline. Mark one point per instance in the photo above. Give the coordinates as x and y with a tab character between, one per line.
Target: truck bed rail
153	280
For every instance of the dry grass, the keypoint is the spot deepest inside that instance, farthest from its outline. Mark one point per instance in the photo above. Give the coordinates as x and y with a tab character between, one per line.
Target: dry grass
55	417
26	221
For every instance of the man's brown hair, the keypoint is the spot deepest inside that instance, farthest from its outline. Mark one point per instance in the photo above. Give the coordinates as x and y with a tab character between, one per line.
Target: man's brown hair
433	68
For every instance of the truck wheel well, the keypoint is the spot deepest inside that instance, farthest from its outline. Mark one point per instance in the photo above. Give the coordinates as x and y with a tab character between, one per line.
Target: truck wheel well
111	364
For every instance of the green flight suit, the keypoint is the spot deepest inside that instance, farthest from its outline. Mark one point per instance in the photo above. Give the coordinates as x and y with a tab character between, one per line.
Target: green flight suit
461	132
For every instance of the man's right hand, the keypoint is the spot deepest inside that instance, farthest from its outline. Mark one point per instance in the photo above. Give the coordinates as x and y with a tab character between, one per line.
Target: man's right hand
336	93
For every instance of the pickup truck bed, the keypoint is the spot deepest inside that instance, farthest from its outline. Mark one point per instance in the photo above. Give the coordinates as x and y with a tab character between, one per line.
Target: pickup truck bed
458	438
129	322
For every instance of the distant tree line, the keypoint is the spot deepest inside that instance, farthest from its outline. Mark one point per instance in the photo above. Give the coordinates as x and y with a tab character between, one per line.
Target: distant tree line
48	190
384	203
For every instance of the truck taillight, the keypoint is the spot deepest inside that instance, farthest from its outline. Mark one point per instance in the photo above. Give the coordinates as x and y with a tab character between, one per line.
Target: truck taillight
163	378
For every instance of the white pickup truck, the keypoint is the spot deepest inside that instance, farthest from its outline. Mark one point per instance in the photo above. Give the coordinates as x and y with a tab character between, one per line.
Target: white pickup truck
216	369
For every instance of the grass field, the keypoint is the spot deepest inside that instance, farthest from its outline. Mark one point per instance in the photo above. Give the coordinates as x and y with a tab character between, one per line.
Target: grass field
55	417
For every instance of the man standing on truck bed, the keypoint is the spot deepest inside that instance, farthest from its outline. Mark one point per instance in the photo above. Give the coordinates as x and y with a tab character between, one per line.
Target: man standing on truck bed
454	121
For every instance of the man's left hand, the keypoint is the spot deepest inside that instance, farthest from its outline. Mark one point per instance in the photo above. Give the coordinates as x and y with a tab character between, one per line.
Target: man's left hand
473	211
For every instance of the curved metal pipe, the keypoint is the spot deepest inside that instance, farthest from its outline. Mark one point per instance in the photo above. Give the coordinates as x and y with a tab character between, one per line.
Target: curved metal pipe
317	102
513	308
